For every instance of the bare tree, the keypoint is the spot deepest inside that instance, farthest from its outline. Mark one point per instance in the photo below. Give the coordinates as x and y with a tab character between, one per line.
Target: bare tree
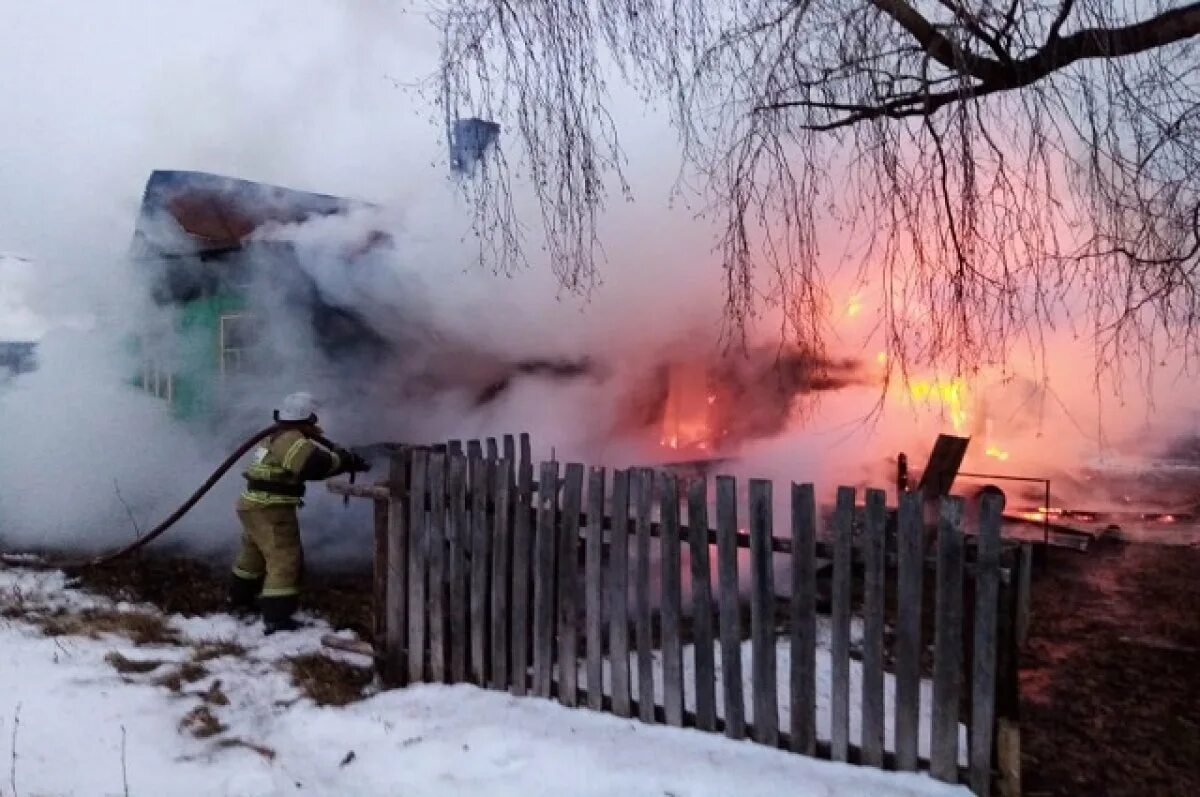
1011	162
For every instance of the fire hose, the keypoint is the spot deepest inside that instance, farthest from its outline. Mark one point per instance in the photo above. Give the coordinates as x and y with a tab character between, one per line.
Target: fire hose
178	514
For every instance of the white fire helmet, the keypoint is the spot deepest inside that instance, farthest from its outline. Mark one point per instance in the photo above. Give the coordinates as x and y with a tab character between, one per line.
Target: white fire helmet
298	407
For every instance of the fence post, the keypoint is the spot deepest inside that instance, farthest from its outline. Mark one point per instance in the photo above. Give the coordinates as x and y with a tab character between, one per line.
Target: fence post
983	677
1008	729
873	604
947	643
702	606
843	525
379	577
618	621
502	490
672	648
731	635
804	620
418	547
762	615
594	589
644	496
437	570
910	541
568	589
543	583
395	612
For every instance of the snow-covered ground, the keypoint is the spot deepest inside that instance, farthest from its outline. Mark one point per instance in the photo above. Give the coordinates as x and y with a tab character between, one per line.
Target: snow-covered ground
70	724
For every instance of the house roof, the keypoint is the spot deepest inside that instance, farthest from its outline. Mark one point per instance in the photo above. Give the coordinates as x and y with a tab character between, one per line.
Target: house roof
189	213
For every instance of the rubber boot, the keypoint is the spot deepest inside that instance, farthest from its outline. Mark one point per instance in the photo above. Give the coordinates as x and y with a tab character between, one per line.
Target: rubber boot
242	592
277	613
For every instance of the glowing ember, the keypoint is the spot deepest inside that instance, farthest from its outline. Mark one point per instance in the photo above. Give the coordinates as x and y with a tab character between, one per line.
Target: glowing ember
854	306
951	395
997	453
881	358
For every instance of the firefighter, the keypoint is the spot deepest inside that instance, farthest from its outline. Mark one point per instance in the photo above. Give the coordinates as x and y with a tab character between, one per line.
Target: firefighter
271	560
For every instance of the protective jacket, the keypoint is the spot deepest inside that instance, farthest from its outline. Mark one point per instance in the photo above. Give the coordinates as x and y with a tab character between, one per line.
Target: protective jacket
281	466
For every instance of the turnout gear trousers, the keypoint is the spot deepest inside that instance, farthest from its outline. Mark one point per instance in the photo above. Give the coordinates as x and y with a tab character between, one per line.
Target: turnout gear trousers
271	549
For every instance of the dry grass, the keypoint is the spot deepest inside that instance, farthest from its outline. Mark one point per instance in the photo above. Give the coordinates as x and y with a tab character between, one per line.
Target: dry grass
216	648
201	723
127	666
142	628
328	681
214	696
262	750
188	672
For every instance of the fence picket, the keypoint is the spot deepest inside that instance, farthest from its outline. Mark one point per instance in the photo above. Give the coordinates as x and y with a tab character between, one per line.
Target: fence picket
839	735
396	624
568	585
474	454
702	606
1024	593
730	622
502	490
947	643
983	681
672	647
594	589
493	452
618	621
454	447
643	496
910	564
458	534
436	555
804	621
481	543
873	604
526	454
510	451
762	615
416	574
543	582
521	551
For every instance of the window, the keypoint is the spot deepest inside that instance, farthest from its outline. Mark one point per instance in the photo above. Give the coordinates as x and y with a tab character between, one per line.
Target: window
157	380
236	333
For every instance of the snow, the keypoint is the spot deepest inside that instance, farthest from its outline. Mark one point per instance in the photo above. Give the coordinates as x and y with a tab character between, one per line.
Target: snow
80	728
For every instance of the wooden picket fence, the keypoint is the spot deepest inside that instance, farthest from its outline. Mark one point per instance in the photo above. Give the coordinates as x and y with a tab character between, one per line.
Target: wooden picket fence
484	575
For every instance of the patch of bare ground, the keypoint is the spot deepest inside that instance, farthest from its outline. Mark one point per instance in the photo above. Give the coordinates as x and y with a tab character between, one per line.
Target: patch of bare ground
194	587
329	681
1110	682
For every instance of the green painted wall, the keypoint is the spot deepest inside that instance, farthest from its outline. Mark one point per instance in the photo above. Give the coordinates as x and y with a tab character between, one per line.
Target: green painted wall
197	374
